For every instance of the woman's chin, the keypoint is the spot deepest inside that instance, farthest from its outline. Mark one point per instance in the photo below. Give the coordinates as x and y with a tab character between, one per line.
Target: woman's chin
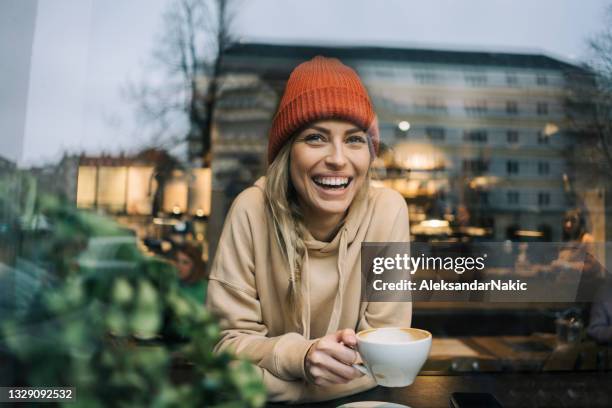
331	208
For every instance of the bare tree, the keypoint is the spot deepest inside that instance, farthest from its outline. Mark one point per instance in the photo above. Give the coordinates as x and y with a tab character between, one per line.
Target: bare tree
589	110
178	106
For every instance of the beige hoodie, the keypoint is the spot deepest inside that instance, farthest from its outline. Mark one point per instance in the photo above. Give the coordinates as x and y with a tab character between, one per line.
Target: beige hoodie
249	282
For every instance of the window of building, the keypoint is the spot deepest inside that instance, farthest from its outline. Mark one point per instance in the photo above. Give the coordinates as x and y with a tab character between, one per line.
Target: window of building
476	107
513	197
435	105
542	138
542	108
478	136
429	106
383	72
543	168
543	199
475	165
425	77
435	133
511	79
476	79
512	167
511	107
512	136
541	79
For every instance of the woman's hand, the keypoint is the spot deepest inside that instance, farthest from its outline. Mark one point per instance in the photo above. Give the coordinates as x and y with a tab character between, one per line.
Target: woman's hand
329	360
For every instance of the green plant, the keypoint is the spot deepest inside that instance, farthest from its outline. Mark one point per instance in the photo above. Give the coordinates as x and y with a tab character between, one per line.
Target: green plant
110	320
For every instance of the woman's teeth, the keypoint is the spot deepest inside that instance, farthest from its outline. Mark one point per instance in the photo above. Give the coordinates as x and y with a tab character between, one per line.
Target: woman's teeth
332	182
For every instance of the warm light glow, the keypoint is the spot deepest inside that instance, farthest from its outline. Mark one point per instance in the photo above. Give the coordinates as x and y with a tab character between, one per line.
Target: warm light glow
475	231
483	181
166	246
117	188
403	125
434	223
550	129
527	233
419	157
201	192
432	227
141	187
86	187
175	194
112	187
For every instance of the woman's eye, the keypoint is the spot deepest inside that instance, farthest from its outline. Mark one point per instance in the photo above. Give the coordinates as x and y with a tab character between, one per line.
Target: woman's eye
314	137
356	139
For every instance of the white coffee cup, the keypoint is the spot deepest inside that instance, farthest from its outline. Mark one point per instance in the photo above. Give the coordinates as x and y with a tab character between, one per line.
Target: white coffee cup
393	356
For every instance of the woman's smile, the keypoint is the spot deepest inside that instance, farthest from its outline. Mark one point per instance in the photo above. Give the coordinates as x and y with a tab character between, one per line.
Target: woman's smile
333	185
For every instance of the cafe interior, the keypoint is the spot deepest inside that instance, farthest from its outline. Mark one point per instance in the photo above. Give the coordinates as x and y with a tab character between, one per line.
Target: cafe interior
482	150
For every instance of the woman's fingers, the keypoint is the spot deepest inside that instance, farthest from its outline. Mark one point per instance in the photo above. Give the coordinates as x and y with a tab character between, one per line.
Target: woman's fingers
323	376
329	361
337	350
348	337
346	372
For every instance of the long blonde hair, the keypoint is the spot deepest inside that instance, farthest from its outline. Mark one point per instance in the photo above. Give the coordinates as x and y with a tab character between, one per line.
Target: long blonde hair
288	221
288	224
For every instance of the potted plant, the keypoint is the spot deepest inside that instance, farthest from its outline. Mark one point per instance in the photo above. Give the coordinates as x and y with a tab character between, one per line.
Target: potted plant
109	320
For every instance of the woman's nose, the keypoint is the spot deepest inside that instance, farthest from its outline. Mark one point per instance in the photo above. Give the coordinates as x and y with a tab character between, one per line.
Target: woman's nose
336	156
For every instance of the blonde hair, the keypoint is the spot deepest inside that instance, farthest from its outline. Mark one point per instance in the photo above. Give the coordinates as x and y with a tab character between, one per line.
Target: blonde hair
288	221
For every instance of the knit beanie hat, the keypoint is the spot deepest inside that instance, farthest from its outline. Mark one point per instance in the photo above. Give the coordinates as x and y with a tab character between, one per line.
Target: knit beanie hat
322	88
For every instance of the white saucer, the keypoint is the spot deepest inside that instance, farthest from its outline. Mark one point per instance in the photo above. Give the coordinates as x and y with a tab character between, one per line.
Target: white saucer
372	404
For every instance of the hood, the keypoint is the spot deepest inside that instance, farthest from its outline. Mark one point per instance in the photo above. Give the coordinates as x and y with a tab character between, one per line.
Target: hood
349	228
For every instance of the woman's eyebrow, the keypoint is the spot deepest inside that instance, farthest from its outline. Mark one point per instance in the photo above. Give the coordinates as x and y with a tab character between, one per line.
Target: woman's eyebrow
320	129
327	131
353	130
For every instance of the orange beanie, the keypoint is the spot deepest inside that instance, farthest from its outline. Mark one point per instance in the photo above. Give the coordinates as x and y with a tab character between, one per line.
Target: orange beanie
322	88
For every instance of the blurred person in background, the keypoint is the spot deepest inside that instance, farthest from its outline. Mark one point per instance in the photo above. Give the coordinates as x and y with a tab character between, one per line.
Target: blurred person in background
286	279
575	227
191	271
578	242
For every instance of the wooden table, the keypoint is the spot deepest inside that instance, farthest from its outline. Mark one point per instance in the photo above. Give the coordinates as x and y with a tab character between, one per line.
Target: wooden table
520	371
559	389
535	353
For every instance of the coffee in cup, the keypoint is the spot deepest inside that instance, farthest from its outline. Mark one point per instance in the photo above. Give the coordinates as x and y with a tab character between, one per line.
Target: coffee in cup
393	356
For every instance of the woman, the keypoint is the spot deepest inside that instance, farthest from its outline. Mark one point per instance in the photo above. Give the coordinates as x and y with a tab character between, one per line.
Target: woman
579	243
191	270
286	277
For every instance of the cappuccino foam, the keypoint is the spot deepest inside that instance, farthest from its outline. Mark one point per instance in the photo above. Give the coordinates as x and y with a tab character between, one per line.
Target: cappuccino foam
392	335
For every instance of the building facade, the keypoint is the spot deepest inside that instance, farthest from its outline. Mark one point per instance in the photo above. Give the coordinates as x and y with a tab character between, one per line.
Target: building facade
477	131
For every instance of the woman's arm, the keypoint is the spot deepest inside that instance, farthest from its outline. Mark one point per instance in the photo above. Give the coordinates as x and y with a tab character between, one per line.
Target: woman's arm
232	297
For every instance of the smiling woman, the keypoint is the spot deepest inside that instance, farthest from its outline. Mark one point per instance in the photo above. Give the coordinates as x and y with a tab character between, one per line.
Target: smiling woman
286	278
329	163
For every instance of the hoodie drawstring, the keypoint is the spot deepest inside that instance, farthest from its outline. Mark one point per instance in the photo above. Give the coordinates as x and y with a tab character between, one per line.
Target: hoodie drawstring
334	321
306	298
